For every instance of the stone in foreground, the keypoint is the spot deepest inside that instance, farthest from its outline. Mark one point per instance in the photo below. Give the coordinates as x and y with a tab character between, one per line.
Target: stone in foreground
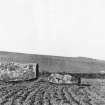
13	71
58	78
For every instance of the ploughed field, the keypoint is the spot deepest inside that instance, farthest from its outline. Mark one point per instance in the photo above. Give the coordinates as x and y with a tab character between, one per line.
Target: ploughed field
43	92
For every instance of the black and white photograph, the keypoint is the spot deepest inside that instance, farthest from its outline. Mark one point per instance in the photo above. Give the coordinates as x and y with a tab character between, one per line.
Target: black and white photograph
52	52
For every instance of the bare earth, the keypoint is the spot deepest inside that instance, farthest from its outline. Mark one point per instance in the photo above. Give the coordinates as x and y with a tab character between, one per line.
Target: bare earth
46	93
38	92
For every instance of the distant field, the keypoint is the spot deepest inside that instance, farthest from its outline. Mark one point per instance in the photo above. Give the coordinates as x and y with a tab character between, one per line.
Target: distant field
57	63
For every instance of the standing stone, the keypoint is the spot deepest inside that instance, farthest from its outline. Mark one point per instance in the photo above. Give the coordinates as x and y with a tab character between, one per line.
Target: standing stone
13	71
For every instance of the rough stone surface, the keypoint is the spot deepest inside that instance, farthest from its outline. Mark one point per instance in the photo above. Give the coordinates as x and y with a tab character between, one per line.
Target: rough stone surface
16	71
67	78
58	78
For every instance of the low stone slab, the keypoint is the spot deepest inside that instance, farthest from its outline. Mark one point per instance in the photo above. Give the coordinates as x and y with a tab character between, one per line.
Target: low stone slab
13	71
58	78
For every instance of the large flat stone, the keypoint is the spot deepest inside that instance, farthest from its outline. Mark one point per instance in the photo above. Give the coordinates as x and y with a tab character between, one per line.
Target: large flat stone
13	71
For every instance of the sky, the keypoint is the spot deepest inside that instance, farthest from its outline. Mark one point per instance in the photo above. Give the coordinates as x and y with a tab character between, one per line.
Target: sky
53	27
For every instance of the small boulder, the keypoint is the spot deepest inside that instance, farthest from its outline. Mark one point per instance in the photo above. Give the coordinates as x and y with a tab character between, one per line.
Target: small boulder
56	78
67	79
